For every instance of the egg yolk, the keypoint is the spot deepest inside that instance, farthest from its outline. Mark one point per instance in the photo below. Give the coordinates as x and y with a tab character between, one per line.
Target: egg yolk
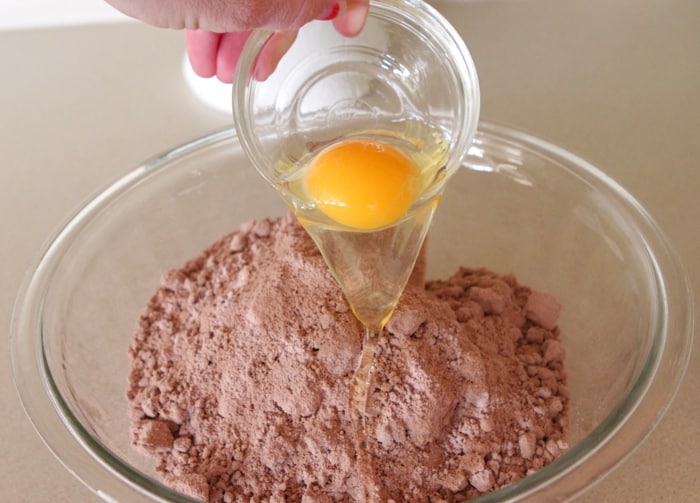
363	183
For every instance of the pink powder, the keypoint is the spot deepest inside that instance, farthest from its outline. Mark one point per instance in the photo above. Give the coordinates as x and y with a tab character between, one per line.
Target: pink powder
241	366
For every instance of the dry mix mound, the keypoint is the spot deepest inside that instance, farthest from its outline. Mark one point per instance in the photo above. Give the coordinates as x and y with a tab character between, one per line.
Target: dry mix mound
242	361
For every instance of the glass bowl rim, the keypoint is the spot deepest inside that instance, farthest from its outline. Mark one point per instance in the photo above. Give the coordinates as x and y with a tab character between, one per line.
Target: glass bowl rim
583	464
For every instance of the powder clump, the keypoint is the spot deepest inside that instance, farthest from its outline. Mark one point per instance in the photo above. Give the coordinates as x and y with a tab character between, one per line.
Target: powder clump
242	361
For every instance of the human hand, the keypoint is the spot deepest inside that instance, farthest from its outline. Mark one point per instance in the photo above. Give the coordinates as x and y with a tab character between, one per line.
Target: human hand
216	30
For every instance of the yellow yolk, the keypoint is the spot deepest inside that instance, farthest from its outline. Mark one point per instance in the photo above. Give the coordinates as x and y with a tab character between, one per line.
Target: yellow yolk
364	184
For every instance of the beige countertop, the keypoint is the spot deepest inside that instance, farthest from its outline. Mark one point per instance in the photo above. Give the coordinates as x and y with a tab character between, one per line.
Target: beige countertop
617	82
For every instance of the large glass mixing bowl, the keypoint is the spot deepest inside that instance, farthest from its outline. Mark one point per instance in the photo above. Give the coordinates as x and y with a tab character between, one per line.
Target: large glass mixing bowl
518	205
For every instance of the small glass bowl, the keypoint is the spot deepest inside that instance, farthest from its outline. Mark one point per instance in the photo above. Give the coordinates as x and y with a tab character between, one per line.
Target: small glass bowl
407	70
517	205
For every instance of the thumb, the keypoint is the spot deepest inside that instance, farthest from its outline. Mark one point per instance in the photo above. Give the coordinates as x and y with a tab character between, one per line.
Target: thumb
348	16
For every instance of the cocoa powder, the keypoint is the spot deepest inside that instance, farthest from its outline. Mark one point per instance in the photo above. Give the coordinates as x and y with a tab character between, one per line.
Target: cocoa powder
242	360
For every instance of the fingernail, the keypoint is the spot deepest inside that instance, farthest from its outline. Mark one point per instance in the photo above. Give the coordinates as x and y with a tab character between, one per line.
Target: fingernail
353	20
333	11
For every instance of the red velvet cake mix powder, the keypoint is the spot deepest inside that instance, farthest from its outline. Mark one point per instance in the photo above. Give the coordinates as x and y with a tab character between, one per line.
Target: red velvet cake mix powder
242	362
